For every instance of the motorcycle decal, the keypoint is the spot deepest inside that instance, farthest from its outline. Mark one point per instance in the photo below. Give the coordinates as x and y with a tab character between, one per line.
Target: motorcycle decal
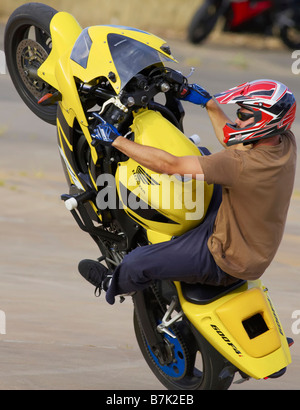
141	175
141	208
62	136
226	340
71	173
275	316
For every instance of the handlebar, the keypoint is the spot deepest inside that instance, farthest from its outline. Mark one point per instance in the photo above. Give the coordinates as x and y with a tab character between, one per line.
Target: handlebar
141	89
139	93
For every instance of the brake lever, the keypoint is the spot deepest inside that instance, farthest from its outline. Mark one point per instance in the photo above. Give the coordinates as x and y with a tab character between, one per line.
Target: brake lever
116	101
192	70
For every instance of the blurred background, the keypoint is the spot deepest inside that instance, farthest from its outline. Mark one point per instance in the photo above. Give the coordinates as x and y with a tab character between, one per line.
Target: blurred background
169	18
155	15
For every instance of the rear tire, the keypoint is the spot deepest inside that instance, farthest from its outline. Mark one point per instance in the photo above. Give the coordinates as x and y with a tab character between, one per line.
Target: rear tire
196	365
27	44
290	36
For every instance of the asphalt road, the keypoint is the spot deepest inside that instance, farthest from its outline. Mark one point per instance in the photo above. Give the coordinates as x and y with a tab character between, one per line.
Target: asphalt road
57	334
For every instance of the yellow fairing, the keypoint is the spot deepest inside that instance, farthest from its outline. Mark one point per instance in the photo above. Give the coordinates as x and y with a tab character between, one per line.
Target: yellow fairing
64	31
60	67
61	71
174	206
57	70
100	53
244	327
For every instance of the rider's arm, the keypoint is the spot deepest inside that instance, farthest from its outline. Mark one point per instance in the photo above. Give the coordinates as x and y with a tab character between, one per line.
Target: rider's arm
218	119
199	96
158	160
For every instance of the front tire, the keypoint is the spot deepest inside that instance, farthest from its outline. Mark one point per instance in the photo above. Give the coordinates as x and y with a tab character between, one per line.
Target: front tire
27	43
204	21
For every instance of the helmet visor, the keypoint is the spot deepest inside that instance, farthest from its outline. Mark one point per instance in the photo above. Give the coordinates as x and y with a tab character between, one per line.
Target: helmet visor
244	116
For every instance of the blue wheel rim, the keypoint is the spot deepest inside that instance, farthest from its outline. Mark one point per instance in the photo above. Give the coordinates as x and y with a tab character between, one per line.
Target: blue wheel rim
176	369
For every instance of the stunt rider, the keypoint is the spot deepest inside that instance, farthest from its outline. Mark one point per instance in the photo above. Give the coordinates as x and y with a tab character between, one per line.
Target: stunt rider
253	177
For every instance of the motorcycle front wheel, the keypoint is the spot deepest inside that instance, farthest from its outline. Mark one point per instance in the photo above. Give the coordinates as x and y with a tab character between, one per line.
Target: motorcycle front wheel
192	363
27	43
204	21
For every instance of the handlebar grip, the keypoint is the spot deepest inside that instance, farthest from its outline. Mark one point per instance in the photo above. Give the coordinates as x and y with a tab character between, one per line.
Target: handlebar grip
184	90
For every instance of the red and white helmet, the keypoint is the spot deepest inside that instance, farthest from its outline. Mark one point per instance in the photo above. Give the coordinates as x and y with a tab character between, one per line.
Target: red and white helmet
273	106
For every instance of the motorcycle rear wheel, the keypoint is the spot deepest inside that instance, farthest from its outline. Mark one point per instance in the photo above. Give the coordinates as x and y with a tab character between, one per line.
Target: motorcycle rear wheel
27	43
290	36
196	365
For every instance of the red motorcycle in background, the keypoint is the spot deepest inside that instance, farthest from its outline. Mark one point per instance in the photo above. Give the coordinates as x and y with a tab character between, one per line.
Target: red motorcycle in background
267	17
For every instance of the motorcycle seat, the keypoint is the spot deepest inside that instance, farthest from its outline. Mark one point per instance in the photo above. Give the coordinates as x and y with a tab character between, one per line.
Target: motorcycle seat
203	294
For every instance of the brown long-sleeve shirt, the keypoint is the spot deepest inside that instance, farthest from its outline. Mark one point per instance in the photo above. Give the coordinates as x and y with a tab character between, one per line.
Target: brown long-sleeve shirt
257	187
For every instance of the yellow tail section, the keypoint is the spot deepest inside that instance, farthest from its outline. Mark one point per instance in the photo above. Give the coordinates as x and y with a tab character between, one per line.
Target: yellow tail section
244	327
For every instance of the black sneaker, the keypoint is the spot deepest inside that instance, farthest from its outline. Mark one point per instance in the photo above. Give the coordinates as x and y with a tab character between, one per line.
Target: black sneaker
95	273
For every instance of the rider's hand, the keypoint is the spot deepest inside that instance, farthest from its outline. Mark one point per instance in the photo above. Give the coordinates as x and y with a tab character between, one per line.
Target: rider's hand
196	95
105	133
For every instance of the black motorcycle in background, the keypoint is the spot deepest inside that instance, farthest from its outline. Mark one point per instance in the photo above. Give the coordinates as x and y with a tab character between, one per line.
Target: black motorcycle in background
277	17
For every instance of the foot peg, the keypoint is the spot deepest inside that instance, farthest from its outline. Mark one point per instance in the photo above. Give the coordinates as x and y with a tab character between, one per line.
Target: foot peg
72	201
168	321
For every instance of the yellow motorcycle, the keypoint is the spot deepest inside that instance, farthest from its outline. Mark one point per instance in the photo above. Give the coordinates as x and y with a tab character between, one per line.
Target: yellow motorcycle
192	336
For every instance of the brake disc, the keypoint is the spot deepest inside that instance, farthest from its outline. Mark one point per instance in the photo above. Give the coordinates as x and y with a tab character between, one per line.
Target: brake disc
29	57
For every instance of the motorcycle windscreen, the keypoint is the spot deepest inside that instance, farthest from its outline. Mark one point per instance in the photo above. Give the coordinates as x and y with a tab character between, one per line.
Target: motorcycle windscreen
131	56
81	49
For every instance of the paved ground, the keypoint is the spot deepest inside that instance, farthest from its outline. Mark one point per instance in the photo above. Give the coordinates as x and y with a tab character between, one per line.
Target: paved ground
58	335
